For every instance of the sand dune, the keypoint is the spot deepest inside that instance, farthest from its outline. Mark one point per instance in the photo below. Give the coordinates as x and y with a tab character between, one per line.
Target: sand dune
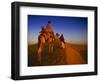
73	56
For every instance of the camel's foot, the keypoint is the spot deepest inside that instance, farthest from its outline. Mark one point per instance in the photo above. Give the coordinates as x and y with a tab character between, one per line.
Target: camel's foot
39	62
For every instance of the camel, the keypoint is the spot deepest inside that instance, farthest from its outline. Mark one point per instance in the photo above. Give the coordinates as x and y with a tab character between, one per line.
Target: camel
47	36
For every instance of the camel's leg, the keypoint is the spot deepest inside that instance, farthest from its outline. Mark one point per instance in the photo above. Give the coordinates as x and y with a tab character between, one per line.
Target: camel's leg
39	51
50	48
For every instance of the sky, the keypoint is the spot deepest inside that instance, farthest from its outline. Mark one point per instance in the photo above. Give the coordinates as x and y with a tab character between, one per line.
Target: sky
74	29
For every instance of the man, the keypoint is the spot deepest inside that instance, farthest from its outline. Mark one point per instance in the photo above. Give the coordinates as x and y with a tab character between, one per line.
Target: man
62	41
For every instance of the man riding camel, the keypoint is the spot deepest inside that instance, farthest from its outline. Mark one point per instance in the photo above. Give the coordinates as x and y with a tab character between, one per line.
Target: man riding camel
47	37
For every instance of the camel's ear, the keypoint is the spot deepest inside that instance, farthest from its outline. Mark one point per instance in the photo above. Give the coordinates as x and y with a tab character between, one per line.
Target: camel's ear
41	27
49	22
